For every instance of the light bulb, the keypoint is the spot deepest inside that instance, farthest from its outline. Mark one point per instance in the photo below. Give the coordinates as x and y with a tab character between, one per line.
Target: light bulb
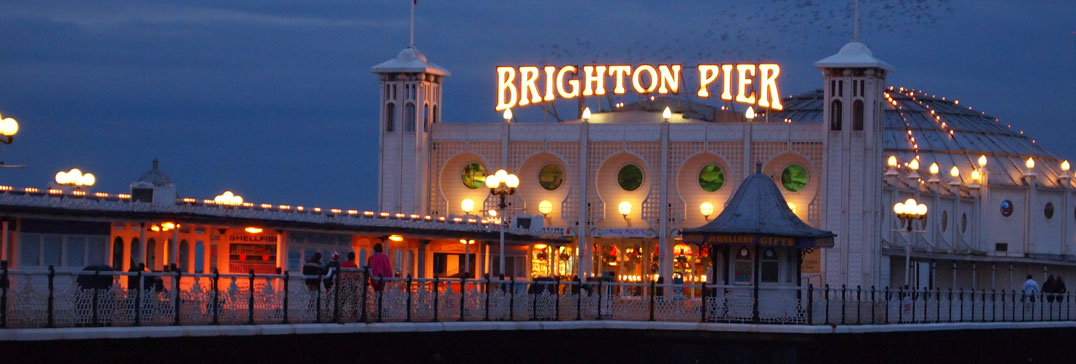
892	161
508	115
545	207
1030	163
954	172
934	168
982	161
624	208
706	208
586	114
667	114
467	205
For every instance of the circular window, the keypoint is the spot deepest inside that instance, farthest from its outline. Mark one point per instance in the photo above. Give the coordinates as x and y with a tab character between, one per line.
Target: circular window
630	177
551	176
794	178
1048	210
711	178
1006	208
945	220
473	176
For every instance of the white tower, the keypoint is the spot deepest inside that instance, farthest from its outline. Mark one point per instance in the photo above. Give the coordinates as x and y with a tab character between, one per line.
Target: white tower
853	164
410	105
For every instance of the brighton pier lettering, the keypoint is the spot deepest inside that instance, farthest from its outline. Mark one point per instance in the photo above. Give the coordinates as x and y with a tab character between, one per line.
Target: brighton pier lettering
520	86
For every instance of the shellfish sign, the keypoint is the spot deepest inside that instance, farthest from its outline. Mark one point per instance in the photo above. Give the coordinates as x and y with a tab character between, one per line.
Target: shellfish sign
526	85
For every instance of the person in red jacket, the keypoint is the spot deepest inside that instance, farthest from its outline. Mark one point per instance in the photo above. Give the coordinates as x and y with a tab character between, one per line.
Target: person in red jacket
379	267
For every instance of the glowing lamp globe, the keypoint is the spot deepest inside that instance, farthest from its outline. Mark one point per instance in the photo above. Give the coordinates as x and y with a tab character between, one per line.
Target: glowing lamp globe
934	168
586	114
892	161
467	205
706	209
545	207
954	172
1030	163
624	208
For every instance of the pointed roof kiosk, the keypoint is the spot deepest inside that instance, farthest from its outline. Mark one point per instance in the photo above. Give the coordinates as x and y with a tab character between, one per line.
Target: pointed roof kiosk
757	221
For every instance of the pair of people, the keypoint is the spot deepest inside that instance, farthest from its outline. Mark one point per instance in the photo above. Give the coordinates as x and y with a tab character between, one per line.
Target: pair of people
378	263
1054	289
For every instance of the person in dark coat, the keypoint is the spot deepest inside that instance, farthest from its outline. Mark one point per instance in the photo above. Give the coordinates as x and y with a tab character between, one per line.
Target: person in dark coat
313	269
1059	288
1048	288
331	269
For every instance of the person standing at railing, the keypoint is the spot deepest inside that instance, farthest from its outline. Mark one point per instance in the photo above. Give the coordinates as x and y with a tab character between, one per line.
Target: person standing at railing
330	271
379	267
1049	288
313	268
1060	290
1030	289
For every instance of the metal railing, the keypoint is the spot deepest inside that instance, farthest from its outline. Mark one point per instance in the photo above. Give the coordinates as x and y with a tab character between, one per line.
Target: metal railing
49	298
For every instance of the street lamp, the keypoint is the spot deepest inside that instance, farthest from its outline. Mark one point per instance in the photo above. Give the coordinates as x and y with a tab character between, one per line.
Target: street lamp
909	211
8	128
75	178
502	184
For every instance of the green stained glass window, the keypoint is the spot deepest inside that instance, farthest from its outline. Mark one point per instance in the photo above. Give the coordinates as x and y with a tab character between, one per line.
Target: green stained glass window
630	177
711	178
474	175
794	178
551	176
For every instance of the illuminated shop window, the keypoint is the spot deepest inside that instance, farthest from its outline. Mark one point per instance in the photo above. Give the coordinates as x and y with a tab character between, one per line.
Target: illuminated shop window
794	178
1006	208
711	178
630	177
1048	211
550	177
474	175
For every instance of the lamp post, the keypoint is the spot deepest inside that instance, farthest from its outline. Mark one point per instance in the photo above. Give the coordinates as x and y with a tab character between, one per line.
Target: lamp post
75	178
908	212
502	184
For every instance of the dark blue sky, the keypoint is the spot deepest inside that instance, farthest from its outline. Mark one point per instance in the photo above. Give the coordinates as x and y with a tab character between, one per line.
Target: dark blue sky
274	99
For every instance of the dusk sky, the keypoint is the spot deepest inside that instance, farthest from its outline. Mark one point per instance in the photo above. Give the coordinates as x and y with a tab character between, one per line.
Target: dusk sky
275	101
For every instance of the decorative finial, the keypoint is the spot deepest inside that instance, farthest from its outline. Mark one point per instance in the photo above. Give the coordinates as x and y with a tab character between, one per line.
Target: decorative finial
855	23
155	163
413	2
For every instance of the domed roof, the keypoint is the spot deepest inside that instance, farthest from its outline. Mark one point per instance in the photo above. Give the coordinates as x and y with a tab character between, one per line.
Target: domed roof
155	176
853	55
944	132
410	60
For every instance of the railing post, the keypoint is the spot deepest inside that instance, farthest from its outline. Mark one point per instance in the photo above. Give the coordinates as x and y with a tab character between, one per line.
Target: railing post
317	300
600	299
336	295
874	306
556	302
914	297
488	277
653	292
179	276
216	295
380	299
702	301
3	299
463	297
365	287
844	302
512	299
408	318
52	278
810	304
534	304
827	303
982	301
287	277
937	304
93	313
579	299
887	296
972	306
961	305
859	305
436	296
138	299
900	305
950	304
250	298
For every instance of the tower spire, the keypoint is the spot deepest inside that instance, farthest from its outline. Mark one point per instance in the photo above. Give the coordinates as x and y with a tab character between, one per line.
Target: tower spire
855	23
413	2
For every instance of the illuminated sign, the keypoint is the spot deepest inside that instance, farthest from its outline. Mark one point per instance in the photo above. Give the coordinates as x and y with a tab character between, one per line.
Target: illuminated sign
520	86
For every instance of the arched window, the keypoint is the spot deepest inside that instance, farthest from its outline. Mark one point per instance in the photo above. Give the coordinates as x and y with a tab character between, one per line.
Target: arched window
136	252
151	254
199	257
835	115
184	256
434	119
390	117
857	115
117	254
409	114
426	118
